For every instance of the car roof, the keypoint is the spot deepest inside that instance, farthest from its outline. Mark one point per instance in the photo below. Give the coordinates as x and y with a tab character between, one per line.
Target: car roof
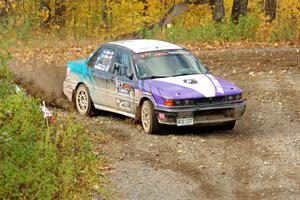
146	45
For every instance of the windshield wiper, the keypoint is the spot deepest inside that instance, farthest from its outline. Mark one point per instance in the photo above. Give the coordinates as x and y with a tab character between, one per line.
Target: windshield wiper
153	77
184	74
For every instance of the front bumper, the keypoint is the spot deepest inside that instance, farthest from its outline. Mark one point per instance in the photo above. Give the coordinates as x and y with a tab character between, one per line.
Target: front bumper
214	114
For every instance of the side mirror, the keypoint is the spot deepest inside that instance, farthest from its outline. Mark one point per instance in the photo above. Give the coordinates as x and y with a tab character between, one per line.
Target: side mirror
207	70
131	76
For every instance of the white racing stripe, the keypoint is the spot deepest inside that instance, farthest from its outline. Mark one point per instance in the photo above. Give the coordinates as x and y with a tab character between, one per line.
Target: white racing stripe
200	83
216	83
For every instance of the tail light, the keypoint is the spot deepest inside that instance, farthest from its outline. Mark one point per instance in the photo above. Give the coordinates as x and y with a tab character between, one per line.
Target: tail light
68	74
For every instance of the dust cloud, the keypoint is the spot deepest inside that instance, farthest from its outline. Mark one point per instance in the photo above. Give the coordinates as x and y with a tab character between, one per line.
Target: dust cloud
41	80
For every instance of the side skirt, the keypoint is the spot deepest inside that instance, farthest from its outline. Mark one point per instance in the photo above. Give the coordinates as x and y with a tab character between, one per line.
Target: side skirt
100	107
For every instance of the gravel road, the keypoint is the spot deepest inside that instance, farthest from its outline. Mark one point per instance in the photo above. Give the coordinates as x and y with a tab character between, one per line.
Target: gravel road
259	159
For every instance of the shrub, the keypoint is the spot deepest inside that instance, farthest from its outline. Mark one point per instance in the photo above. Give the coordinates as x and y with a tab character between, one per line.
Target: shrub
284	30
211	31
37	161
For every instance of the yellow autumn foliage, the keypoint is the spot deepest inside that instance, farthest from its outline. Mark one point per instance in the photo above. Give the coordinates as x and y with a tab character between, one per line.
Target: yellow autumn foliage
45	14
114	18
2	4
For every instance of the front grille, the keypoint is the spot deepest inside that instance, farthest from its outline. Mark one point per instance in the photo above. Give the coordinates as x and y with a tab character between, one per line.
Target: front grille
210	100
210	112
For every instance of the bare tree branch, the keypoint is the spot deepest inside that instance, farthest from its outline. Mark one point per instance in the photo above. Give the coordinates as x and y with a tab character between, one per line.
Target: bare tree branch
179	9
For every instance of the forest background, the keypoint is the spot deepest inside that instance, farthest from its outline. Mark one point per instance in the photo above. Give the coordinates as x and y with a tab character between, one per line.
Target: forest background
174	20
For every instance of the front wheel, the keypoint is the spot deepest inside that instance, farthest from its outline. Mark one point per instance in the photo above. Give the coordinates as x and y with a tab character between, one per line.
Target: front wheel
149	120
83	101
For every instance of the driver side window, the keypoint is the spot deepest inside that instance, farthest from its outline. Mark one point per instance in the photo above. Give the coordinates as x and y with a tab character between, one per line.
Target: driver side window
122	65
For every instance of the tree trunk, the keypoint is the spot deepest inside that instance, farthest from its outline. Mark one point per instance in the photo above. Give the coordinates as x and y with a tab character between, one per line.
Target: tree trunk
105	15
44	6
3	13
244	7
60	9
239	7
145	3
270	9
218	10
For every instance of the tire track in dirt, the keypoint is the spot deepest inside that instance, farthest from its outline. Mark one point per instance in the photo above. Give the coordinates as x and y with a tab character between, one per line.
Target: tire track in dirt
185	168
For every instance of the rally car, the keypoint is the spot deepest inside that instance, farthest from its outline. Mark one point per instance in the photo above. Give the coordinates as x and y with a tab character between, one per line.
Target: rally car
152	81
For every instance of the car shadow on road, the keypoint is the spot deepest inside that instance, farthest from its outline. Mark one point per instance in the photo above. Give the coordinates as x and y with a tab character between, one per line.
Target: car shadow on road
195	130
166	130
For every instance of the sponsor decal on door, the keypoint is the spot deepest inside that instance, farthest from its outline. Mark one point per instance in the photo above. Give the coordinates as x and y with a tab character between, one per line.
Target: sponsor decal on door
123	88
124	105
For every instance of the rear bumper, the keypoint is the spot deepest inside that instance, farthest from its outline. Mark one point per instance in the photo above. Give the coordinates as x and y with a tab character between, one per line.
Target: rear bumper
68	89
202	115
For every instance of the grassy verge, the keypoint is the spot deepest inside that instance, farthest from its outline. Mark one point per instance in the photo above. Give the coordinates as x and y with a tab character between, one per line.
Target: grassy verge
37	161
250	29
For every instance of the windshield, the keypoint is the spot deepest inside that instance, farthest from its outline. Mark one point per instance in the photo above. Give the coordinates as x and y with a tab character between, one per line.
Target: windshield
161	64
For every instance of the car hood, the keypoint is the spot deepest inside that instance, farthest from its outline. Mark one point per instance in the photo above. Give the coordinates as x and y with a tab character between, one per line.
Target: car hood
192	86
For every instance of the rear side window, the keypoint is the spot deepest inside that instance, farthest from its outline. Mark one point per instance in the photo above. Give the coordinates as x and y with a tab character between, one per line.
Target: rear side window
104	59
93	58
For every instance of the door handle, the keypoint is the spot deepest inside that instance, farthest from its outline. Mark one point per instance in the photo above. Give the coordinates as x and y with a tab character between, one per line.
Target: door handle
112	79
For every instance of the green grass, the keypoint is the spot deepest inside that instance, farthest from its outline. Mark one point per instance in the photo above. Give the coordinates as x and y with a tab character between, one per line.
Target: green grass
226	31
284	30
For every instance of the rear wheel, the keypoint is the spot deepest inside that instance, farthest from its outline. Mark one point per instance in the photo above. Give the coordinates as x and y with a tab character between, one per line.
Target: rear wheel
149	120
83	101
228	126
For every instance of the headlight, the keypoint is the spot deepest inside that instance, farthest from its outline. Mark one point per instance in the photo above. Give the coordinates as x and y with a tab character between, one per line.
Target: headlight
238	97
234	97
185	102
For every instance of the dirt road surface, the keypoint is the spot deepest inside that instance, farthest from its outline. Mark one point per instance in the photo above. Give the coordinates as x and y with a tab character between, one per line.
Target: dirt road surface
259	159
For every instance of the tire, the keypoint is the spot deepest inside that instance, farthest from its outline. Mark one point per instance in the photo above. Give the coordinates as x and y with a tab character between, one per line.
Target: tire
228	126
148	118
83	101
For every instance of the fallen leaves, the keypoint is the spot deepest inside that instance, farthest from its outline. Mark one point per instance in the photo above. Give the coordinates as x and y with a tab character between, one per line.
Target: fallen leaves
55	55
